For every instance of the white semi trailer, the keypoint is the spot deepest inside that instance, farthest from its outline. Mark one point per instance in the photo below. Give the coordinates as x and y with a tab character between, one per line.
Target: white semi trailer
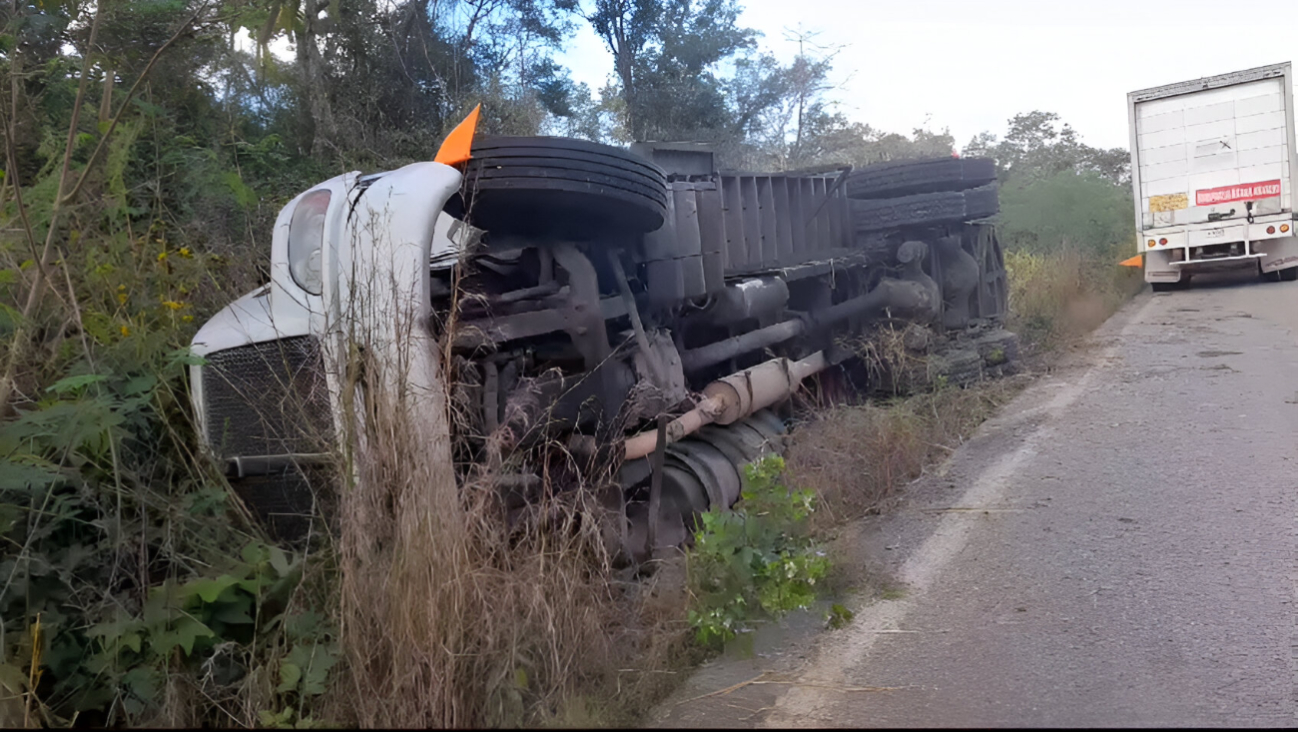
1213	170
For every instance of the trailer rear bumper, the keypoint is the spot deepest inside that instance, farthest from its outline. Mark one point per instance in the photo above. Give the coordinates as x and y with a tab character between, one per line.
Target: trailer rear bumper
1268	255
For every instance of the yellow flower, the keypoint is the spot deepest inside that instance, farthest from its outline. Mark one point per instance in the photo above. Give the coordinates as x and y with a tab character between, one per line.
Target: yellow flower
121	298
172	304
162	256
187	318
184	252
121	287
125	331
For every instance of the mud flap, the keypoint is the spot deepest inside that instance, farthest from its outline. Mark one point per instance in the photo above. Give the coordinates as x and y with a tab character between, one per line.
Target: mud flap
1278	254
1159	267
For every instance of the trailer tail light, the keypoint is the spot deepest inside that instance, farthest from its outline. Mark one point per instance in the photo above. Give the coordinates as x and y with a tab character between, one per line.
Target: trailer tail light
1152	242
1284	228
1270	229
1163	240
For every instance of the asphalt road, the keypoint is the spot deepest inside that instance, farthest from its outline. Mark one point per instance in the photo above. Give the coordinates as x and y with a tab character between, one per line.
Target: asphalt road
1117	548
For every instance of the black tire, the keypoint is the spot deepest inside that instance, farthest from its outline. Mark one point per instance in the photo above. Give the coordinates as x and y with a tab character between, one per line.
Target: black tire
560	188
998	348
1164	286
925	209
1289	274
1272	276
903	178
956	367
981	202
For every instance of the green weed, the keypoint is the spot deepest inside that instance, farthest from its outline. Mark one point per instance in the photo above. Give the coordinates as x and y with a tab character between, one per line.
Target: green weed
755	561
892	593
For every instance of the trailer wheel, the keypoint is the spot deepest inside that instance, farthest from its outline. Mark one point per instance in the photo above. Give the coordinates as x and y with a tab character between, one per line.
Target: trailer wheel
560	188
925	209
902	178
1289	274
1163	286
981	202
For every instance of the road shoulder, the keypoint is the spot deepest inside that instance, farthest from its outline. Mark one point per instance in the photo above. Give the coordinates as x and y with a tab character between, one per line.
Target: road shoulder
787	668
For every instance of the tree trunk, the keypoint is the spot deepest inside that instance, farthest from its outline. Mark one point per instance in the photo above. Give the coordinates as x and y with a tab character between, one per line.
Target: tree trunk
322	134
625	71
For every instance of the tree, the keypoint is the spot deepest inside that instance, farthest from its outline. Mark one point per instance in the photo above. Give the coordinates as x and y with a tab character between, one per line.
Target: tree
665	55
1068	208
1038	144
788	120
1056	190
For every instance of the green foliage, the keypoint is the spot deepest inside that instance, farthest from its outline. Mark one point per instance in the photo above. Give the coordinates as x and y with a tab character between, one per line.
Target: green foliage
125	556
127	572
1066	222
757	560
1039	145
839	616
1067	209
1066	292
127	656
1058	193
668	56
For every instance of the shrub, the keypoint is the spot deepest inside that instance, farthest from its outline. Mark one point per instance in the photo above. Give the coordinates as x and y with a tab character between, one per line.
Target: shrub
857	457
757	560
1065	293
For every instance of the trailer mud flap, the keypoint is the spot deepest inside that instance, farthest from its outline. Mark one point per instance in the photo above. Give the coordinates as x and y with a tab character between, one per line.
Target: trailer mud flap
1278	254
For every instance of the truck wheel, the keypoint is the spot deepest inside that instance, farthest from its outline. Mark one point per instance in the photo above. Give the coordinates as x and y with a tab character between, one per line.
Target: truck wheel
925	209
1289	274
956	367
1274	276
888	180
981	202
555	187
1164	286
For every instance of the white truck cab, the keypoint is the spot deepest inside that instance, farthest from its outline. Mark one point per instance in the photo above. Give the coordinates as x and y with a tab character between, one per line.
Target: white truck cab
1213	168
353	252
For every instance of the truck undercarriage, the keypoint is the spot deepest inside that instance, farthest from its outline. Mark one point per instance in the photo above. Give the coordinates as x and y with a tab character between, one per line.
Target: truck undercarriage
592	299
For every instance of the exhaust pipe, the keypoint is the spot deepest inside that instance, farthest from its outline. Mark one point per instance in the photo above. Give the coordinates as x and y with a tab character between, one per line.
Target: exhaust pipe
734	397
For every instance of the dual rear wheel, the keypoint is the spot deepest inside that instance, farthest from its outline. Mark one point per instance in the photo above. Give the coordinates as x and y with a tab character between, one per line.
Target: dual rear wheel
1281	275
1169	286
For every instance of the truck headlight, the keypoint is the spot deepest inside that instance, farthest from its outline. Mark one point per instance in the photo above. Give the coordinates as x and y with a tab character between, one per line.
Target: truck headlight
305	240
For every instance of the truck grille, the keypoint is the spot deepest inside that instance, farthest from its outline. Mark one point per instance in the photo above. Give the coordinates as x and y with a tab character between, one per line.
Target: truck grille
267	399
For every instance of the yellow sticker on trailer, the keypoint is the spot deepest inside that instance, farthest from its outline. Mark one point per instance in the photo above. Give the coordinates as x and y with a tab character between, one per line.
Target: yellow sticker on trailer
1169	202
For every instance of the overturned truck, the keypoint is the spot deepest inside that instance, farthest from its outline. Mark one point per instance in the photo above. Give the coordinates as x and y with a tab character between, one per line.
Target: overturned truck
566	295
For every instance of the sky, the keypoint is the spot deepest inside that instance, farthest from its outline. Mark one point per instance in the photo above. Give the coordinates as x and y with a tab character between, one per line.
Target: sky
969	66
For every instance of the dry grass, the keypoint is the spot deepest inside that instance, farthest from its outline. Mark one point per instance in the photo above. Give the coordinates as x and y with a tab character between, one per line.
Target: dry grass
1058	297
856	458
452	614
449	619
